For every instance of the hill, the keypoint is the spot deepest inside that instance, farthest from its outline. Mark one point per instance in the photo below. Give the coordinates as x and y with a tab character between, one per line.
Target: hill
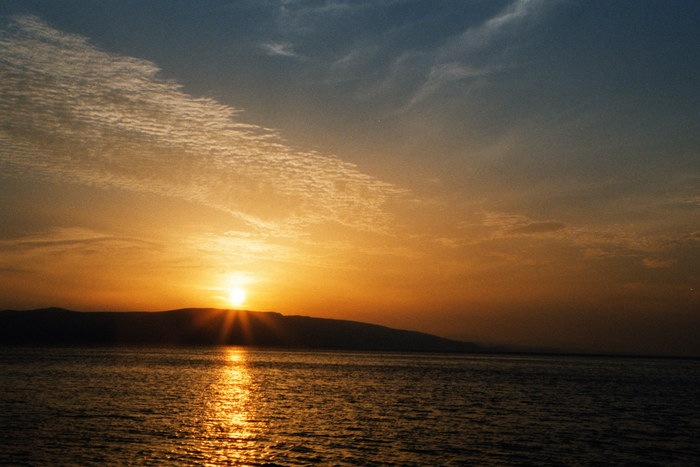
207	326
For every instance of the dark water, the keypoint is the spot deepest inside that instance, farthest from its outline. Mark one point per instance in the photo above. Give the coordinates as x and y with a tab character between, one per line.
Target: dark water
219	406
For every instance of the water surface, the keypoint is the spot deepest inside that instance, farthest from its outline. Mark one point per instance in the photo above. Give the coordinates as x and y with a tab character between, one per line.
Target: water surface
232	406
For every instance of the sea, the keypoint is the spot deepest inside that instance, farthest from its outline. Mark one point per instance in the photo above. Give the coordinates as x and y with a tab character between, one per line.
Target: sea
264	407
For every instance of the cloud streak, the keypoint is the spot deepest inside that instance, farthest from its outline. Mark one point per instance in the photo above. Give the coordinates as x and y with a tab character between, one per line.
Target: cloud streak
280	49
73	112
62	239
507	22
476	52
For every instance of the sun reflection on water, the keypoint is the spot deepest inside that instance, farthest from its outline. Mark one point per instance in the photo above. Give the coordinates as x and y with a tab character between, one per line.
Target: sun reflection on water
232	429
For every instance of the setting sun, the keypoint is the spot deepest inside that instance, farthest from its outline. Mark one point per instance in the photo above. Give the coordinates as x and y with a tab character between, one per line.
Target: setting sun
236	296
349	232
438	181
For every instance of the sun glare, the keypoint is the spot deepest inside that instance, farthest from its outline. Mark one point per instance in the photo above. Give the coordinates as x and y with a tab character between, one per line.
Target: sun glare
236	296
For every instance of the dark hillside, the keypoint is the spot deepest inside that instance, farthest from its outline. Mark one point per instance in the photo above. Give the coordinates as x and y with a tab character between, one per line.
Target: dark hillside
210	327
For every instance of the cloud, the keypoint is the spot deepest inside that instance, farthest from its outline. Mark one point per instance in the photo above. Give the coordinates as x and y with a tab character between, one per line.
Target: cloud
610	241
74	113
70	238
502	224
537	228
304	16
442	75
373	45
281	49
656	263
461	57
508	22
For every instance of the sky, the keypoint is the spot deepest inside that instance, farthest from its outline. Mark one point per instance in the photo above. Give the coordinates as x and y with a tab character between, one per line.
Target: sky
522	172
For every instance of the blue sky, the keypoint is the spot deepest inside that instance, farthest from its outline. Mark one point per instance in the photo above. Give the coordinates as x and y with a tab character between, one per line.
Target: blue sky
436	165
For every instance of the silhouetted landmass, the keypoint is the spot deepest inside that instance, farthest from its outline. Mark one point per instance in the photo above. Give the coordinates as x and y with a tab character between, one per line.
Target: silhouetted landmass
195	326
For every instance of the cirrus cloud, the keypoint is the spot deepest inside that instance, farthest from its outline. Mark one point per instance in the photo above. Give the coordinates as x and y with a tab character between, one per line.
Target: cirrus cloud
72	112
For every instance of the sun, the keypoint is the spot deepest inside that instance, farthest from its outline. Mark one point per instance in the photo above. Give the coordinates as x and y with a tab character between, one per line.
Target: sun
236	296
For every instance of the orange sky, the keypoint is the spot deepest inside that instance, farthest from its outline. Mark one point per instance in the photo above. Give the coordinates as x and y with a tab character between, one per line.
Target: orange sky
493	178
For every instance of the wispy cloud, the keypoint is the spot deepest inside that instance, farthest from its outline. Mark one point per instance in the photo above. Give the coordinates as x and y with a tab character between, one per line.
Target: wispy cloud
70	238
521	235
537	228
281	49
509	22
476	52
500	224
298	17
75	113
656	263
443	75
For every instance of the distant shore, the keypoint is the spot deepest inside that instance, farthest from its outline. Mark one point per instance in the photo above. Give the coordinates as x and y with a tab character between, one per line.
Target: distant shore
206	326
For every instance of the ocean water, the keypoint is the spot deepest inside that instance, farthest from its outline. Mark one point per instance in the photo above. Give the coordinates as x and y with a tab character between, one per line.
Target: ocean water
232	406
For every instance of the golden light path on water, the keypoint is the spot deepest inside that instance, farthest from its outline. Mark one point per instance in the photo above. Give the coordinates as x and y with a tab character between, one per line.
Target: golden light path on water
231	430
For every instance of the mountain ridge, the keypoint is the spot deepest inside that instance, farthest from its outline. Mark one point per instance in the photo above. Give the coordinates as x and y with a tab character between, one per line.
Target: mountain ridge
211	326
